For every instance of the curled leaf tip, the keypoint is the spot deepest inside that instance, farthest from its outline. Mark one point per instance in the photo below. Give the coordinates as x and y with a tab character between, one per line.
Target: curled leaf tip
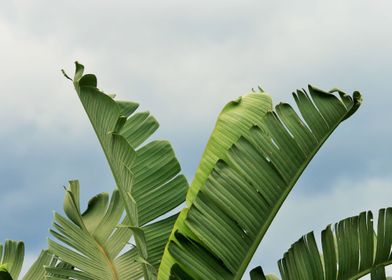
237	100
65	75
335	89
357	97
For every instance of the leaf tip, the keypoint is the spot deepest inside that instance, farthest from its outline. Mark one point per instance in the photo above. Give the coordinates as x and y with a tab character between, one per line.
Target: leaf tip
357	97
65	75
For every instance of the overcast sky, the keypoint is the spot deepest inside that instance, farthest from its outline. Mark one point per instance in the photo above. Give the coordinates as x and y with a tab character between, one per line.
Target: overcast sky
183	60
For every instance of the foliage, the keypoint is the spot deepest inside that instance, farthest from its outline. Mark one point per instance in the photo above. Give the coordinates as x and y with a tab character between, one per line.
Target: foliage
350	250
236	201
11	259
254	157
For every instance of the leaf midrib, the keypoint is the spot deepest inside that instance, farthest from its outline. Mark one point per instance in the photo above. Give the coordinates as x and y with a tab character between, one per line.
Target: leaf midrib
262	232
108	260
121	191
369	270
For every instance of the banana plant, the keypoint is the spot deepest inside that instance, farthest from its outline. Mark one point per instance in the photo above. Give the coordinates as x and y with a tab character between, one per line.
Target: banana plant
351	249
232	203
148	182
254	157
92	241
11	261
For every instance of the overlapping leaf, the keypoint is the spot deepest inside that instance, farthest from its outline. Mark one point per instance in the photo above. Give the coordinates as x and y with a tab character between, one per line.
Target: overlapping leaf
234	203
350	250
91	241
148	177
11	259
37	270
236	118
258	274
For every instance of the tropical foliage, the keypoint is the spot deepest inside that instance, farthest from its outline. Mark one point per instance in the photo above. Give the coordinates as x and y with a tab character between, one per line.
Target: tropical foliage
237	200
350	250
254	157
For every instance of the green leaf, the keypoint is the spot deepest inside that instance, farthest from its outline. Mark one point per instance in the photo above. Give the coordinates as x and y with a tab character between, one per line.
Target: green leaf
11	259
258	274
378	274
91	240
148	177
4	274
236	118
37	270
231	207
350	250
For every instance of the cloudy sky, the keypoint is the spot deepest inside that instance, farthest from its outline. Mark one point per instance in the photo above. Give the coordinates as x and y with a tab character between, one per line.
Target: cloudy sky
183	60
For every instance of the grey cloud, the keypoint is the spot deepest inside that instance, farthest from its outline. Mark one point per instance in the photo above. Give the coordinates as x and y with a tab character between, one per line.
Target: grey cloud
33	175
182	61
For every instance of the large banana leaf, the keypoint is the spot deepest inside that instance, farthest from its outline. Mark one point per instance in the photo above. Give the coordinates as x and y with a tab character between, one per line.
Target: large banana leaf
93	242
11	259
350	250
148	177
234	202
